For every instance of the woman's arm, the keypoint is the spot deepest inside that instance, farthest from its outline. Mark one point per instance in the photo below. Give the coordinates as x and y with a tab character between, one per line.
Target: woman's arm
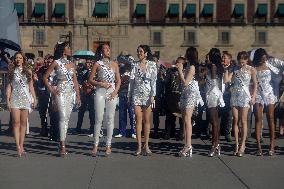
93	82
46	76
117	79
189	75
254	80
76	87
227	76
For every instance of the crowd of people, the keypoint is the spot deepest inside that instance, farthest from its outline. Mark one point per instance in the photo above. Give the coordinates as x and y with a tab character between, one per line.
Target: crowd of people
223	90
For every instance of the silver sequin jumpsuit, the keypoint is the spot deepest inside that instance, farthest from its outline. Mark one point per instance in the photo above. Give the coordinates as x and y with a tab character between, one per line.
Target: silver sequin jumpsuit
64	100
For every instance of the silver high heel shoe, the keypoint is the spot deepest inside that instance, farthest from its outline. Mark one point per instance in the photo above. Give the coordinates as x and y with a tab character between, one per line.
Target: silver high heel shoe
186	152
215	151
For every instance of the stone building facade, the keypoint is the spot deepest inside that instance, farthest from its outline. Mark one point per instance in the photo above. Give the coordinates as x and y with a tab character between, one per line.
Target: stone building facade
168	26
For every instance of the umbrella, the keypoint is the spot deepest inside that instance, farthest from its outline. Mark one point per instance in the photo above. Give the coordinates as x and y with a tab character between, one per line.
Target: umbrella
8	44
84	54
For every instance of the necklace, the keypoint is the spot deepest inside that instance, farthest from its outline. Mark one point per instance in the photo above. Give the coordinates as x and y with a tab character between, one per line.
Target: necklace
65	61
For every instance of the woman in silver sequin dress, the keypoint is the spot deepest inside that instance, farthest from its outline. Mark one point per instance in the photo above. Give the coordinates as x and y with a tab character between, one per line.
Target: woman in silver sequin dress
265	98
106	77
190	96
66	93
214	97
21	98
142	91
241	98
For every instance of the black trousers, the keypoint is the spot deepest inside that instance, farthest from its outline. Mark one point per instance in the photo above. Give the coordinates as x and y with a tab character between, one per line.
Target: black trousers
87	102
44	100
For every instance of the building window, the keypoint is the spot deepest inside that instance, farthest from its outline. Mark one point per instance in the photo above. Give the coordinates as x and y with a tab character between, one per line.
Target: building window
20	8
224	38
140	13
261	10
40	53
261	37
156	38
59	12
207	13
101	10
190	10
280	10
173	10
239	11
39	37
190	38
39	12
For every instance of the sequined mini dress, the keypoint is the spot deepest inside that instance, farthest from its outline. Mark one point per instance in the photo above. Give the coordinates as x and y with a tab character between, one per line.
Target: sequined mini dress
214	96
265	94
142	84
190	95
240	96
19	97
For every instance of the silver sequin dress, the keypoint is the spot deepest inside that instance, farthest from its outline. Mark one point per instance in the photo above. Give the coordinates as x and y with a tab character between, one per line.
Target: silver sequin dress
142	85
190	95
64	100
265	94
214	96
19	98
240	96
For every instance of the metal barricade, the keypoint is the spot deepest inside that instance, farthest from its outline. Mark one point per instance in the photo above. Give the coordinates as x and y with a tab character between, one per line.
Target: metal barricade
3	85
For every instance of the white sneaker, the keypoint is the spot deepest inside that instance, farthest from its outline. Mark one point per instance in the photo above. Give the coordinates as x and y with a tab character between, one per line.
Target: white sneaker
91	135
118	136
133	136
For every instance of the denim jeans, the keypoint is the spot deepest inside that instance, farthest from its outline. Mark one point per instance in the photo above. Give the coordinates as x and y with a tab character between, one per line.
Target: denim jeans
123	108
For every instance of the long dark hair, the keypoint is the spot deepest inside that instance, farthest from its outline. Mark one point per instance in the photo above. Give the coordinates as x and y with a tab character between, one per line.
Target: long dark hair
147	50
191	56
59	49
99	52
12	66
259	53
215	58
